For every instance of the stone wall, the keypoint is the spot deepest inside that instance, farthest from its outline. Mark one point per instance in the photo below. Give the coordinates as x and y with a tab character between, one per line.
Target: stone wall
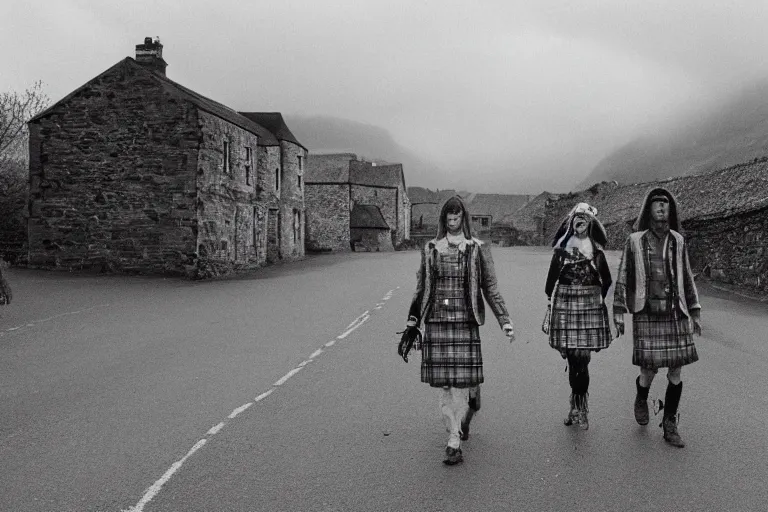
327	219
112	178
385	198
731	249
292	214
227	208
268	195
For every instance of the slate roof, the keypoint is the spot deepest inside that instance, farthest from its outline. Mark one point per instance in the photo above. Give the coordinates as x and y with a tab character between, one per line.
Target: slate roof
524	217
384	175
274	122
367	216
738	189
498	206
178	90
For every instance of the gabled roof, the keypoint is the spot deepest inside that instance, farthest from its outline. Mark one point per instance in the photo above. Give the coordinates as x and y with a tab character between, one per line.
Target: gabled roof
367	216
383	175
181	92
274	122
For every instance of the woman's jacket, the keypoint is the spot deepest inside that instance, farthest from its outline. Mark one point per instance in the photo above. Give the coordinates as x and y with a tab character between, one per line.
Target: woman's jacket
480	274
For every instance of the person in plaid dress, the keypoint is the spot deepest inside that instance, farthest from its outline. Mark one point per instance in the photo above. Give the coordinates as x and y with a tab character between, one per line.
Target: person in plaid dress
655	284
456	272
577	283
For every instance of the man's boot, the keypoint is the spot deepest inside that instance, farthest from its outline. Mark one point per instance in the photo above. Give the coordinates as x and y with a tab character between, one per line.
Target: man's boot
669	423
641	403
573	414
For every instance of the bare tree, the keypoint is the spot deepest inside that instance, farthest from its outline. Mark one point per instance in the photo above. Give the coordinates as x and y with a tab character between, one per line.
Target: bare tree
15	110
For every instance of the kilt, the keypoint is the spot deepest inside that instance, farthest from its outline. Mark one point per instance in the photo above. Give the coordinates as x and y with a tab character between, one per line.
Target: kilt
450	354
662	341
579	319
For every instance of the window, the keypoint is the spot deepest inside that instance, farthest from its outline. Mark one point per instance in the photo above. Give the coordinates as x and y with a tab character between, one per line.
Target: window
248	164
226	156
301	162
255	229
299	180
484	221
277	179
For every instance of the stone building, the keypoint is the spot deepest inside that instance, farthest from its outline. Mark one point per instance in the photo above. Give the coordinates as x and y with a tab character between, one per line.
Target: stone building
368	229
134	172
724	217
336	183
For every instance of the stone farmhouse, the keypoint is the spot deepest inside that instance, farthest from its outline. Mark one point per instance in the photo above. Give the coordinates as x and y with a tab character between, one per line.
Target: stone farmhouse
341	195
134	172
724	217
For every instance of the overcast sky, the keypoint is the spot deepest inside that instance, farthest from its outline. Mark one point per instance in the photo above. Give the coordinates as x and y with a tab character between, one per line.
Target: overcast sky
505	96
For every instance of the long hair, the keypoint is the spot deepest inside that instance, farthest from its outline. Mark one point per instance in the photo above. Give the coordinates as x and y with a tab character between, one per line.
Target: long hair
453	206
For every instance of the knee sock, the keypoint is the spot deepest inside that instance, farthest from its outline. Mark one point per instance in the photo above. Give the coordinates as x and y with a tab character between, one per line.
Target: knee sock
642	393
672	399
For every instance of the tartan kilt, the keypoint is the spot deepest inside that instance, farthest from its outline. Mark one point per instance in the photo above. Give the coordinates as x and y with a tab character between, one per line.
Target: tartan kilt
662	341
579	319
451	355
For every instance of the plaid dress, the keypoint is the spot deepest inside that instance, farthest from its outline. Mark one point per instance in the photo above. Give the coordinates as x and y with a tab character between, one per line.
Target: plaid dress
579	316
451	354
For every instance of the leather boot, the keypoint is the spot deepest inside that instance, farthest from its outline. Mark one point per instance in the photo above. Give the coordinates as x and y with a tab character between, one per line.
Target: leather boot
582	401
573	414
669	423
641	403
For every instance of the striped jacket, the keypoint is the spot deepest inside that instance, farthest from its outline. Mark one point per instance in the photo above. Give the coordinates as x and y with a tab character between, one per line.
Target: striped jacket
481	276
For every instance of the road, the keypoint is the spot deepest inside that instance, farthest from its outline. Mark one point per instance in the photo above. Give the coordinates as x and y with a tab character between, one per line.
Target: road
282	391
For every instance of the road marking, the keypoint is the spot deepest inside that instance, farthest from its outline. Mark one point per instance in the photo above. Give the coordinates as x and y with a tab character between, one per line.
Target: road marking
263	395
155	488
287	376
215	430
355	326
239	410
54	317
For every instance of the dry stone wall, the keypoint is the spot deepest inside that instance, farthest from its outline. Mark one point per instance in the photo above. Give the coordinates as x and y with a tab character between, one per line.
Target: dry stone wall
328	212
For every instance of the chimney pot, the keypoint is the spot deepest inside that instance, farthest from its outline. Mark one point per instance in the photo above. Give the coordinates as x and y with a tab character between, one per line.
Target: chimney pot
150	55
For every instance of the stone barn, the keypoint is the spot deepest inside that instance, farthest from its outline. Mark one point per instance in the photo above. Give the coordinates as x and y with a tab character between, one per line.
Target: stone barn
338	182
368	229
134	172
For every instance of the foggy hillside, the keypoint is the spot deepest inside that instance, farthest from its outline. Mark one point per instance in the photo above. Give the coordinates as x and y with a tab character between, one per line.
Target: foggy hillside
735	131
323	134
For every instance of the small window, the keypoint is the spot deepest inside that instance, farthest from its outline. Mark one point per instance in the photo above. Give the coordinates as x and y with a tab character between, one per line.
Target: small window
301	162
226	156
224	245
277	179
299	180
485	221
248	164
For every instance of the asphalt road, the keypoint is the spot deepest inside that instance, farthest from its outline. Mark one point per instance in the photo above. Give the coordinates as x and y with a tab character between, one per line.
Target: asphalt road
283	392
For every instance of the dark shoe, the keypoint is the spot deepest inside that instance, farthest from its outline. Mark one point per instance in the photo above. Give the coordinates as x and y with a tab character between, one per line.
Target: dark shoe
573	414
465	424
671	436
452	456
641	404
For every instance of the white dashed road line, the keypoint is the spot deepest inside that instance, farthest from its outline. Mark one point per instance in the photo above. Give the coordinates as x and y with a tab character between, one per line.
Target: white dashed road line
155	488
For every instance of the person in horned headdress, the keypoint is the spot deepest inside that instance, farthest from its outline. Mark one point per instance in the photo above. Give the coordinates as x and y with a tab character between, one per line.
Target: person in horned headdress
455	274
655	285
577	283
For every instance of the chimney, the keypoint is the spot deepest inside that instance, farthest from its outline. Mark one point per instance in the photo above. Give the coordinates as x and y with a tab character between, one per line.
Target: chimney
150	55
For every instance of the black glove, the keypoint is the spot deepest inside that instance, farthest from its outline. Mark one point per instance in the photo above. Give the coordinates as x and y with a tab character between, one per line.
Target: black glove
409	337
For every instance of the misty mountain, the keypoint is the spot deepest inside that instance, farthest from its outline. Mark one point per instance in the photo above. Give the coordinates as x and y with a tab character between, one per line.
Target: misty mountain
324	134
731	132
